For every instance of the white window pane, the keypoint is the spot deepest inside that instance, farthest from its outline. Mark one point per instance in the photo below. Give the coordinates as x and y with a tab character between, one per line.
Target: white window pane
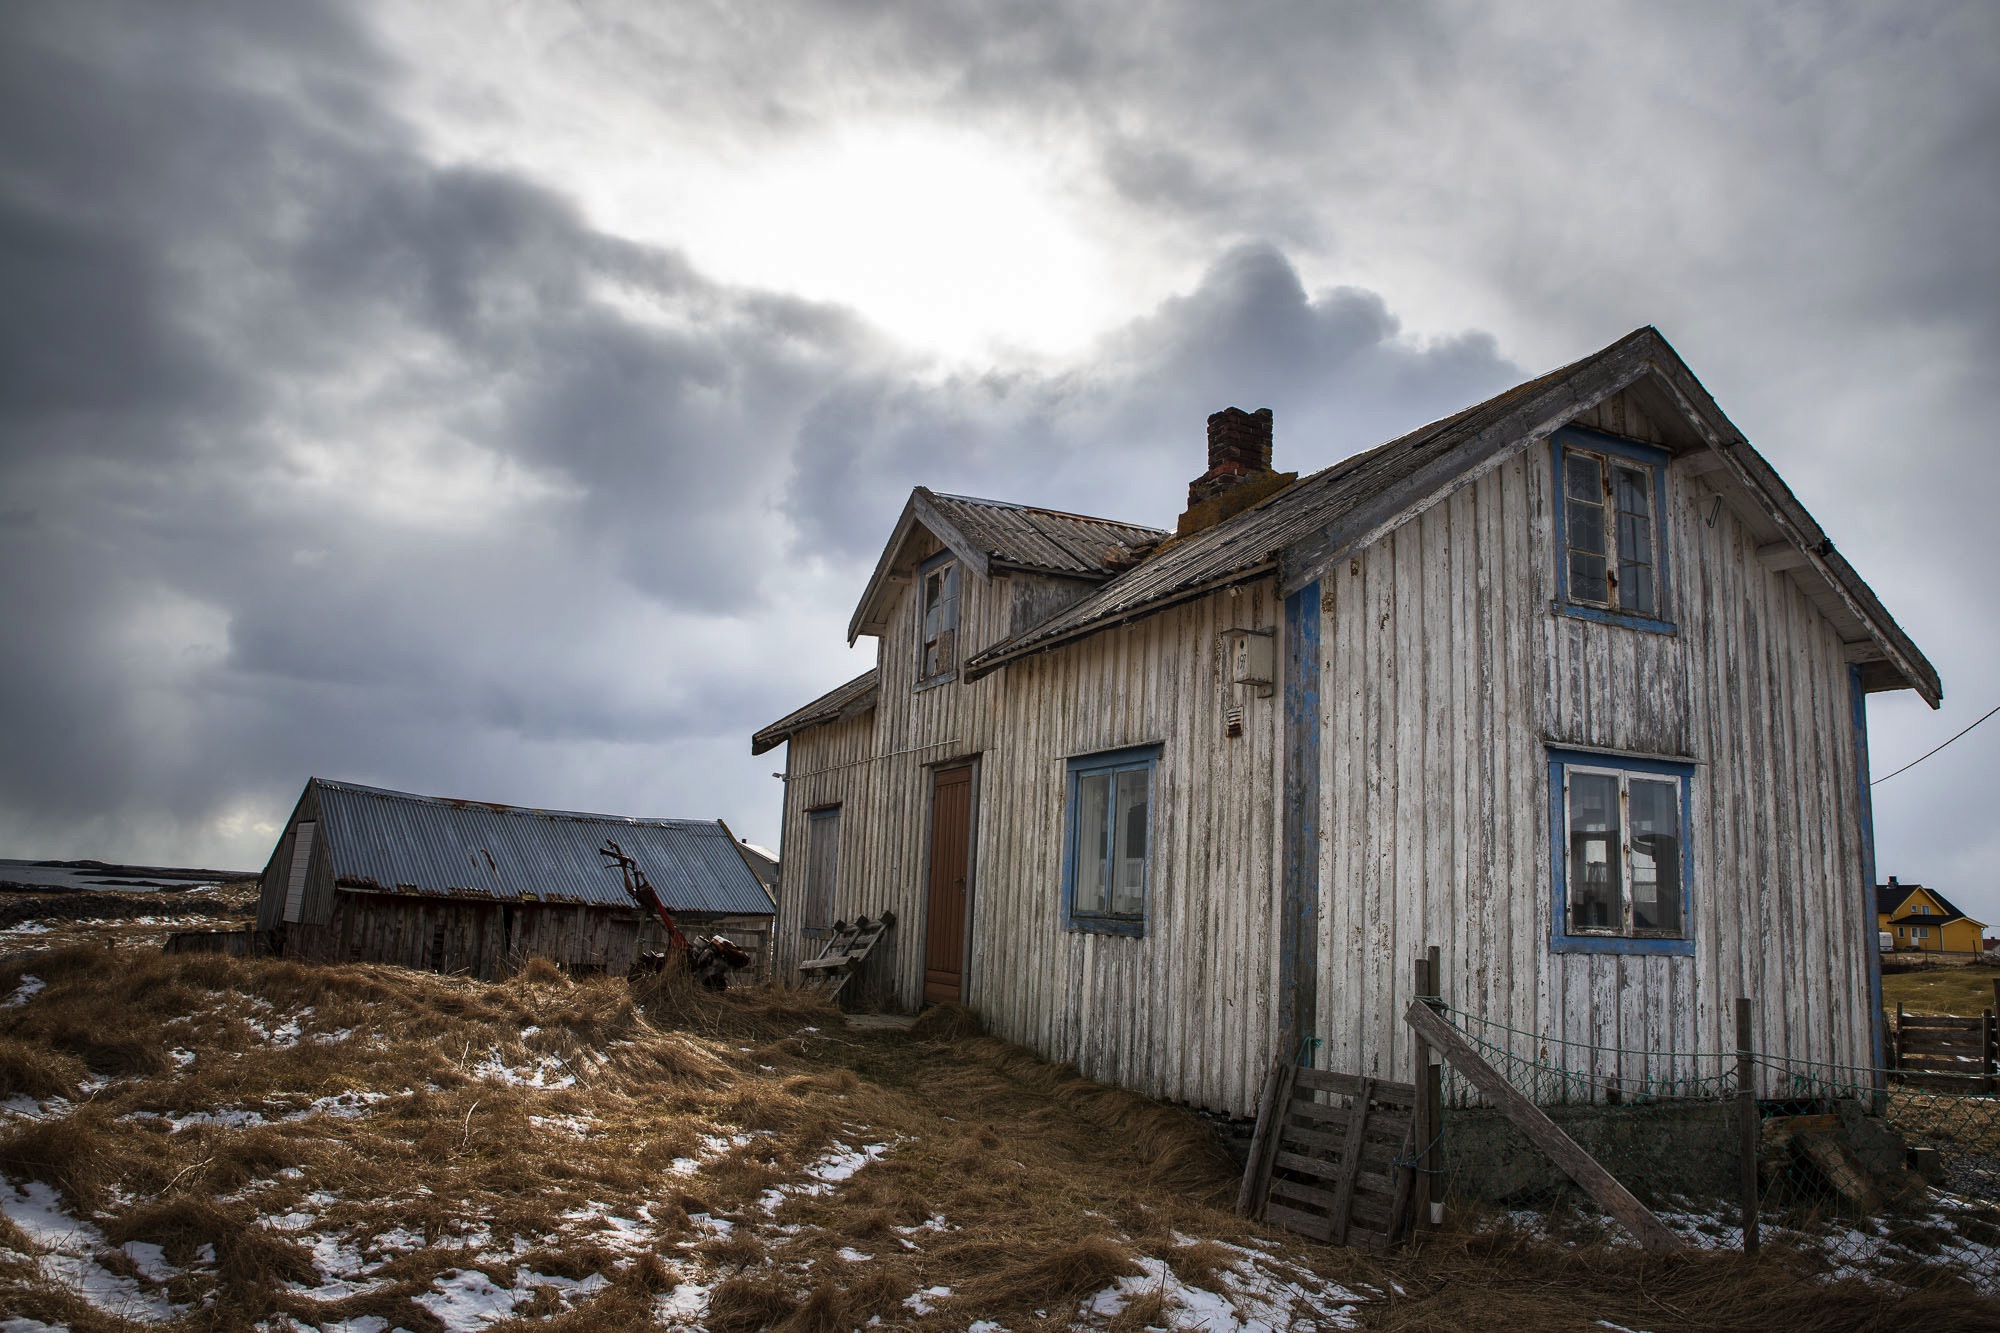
1129	854
1093	810
1595	876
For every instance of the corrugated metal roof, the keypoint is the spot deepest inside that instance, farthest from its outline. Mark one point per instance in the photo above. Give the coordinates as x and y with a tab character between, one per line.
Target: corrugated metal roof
398	842
854	698
1045	540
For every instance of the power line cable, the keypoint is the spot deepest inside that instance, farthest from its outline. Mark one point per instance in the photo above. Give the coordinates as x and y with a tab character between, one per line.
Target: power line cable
1927	754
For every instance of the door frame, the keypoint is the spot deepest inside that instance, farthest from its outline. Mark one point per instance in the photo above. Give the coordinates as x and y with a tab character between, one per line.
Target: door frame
931	771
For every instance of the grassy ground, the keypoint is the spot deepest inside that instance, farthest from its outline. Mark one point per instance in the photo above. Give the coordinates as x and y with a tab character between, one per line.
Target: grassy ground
1945	990
203	1142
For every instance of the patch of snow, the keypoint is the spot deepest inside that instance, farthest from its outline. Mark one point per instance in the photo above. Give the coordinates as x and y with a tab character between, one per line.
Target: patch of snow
829	1171
31	928
985	1326
687	1302
919	1302
1258	1296
67	1246
575	1126
464	1299
182	1058
291	1222
29	988
547	1072
853	1256
367	1323
715	1226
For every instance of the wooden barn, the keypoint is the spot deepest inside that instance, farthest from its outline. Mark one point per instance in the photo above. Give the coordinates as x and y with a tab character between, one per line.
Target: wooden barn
1568	684
362	874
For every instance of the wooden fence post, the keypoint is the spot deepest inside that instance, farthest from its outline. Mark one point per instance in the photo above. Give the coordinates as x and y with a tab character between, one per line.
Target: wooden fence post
1896	1040
1751	1126
1429	1132
1421	1131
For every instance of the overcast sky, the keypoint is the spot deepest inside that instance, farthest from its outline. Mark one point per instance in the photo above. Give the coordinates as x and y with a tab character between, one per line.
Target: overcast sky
508	401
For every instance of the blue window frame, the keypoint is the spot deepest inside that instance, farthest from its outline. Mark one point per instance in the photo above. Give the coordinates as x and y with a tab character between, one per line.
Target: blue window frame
1611	534
1108	840
937	638
1621	861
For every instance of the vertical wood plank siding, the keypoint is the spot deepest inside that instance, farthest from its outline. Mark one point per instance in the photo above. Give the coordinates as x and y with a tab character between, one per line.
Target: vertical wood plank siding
1446	677
1184	1012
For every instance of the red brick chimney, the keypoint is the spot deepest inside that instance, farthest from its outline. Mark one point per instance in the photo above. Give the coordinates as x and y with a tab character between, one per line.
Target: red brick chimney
1239	470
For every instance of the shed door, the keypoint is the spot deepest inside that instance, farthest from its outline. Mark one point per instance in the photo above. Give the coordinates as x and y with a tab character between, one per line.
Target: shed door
822	866
295	885
951	868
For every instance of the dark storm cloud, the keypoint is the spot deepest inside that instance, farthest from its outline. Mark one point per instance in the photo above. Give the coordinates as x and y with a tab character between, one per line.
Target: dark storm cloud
1123	431
325	457
319	452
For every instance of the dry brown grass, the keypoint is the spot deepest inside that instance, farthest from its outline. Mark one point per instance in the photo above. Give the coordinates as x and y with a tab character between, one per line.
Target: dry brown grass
1021	1187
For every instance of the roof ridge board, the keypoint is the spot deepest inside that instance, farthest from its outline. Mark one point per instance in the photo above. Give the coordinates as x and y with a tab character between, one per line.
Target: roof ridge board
504	808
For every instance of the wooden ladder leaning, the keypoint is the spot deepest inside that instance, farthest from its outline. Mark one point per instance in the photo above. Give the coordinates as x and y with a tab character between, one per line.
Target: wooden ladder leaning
844	954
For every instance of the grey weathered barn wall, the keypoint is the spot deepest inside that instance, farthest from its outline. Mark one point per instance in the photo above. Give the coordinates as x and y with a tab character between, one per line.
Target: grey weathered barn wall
404	929
1445	676
317	904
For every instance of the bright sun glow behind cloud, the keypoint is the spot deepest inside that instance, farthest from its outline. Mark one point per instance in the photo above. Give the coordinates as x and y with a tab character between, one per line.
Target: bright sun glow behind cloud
948	241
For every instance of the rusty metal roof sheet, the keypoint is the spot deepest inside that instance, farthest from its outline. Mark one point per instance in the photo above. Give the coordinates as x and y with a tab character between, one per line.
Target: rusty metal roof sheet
1045	541
853	699
398	842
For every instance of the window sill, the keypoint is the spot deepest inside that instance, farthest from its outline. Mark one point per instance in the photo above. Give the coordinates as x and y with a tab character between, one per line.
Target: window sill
933	682
1621	944
1645	624
1087	925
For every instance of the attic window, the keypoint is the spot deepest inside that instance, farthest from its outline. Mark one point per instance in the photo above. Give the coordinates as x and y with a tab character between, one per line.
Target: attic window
1611	541
937	656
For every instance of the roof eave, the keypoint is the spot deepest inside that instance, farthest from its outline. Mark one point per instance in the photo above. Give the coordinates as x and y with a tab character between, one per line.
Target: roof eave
986	663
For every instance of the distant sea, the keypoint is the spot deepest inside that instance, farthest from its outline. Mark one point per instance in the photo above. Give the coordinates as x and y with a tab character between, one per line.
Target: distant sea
79	875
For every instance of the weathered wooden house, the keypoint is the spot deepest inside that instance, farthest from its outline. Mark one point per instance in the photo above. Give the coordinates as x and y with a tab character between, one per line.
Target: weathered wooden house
1568	684
362	874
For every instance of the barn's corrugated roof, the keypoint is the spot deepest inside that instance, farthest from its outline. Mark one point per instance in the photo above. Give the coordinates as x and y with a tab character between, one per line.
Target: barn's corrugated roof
398	842
853	699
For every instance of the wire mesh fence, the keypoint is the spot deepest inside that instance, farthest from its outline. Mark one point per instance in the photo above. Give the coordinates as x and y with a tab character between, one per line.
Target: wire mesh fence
1885	1173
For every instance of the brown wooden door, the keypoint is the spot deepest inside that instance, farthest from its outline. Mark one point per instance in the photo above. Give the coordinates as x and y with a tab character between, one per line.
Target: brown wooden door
951	867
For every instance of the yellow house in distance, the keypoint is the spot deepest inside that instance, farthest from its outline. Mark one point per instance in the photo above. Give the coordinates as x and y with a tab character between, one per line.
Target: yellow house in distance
1918	919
